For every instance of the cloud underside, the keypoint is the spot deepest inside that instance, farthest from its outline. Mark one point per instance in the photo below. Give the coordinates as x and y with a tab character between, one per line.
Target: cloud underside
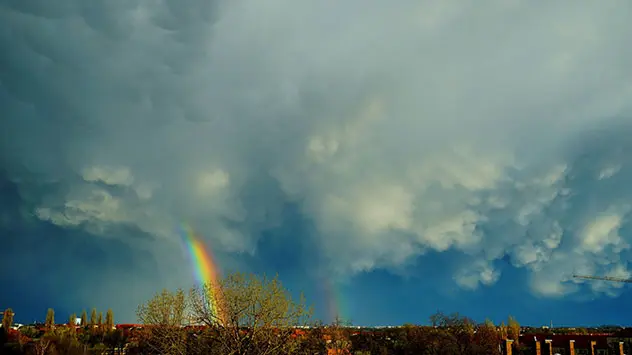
497	130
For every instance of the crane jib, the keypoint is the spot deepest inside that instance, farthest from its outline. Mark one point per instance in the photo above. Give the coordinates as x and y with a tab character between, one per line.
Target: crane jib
603	278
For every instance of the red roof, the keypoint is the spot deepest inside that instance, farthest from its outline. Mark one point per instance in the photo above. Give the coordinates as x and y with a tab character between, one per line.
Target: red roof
127	326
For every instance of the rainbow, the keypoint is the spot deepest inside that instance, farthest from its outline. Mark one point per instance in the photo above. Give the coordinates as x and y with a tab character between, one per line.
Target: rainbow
206	270
335	300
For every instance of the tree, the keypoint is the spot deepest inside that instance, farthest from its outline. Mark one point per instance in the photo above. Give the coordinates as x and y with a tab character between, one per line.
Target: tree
30	332
72	321
7	318
50	319
502	331
582	331
84	318
100	319
93	317
413	339
251	315
115	339
337	336
109	320
64	341
42	346
453	333
487	339
165	316
313	341
513	330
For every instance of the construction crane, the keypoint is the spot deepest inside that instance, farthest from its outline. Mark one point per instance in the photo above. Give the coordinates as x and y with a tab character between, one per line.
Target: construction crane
604	278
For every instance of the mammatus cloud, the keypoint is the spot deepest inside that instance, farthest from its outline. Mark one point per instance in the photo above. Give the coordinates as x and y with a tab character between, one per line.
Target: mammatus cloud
497	130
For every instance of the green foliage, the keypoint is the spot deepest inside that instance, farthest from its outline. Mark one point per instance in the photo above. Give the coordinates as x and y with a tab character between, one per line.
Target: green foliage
85	337
582	331
84	318
72	320
7	318
165	315
99	348
503	331
91	337
259	304
337	335
165	308
487	338
513	330
257	316
65	341
30	332
93	317
249	301
50	318
109	319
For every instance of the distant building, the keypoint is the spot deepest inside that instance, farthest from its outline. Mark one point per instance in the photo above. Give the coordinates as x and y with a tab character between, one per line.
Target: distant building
581	344
77	321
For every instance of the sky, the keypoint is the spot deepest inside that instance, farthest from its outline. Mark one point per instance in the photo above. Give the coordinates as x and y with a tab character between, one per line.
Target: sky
388	159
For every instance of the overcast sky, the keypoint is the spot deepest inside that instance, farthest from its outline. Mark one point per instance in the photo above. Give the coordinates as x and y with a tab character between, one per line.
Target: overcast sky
410	155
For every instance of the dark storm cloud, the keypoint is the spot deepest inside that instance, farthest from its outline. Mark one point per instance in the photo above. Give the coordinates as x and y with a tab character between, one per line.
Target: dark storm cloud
397	128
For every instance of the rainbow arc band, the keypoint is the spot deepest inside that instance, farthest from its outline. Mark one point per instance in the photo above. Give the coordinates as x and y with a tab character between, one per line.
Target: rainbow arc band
206	270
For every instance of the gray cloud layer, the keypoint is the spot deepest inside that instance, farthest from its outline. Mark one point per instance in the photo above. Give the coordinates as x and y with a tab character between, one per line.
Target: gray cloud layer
497	129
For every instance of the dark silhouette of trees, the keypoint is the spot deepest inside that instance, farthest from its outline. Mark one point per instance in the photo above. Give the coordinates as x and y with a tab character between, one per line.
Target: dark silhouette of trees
312	341
453	332
448	335
4	337
115	339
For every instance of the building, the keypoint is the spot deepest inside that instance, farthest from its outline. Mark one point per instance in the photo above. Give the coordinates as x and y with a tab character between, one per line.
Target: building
576	344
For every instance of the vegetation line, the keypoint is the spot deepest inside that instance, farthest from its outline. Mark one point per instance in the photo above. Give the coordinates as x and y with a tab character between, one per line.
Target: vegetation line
257	315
